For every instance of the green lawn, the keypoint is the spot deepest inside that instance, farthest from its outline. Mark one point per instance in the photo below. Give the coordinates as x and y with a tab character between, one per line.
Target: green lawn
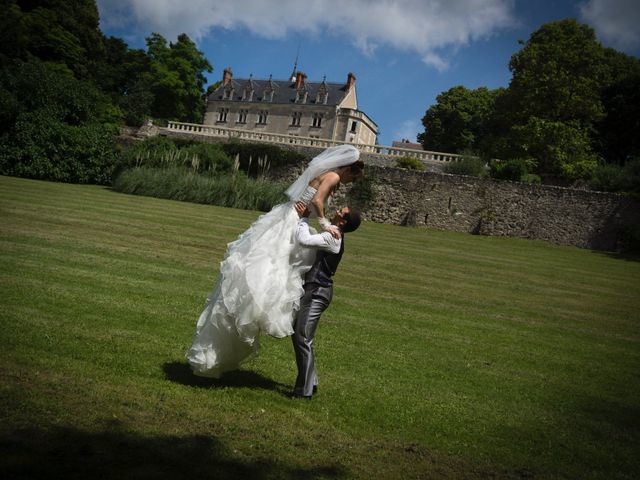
443	355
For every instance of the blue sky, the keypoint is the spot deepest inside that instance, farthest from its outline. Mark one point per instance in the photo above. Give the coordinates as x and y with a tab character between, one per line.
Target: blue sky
402	52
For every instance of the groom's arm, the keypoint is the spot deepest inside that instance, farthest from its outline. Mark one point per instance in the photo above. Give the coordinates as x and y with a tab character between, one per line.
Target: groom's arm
323	241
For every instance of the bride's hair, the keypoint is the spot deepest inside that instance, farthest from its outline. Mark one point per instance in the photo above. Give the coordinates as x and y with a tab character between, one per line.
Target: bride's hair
357	166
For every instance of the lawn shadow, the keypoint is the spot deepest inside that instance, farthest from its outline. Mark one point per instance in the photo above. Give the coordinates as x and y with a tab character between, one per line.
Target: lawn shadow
179	372
626	256
69	453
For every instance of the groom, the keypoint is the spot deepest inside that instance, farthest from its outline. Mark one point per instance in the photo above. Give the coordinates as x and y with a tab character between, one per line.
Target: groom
318	290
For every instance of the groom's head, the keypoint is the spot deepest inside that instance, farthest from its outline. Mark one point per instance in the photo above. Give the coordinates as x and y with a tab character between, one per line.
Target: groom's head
347	219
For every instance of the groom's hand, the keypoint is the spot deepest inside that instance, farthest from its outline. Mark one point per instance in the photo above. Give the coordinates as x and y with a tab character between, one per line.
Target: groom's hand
302	209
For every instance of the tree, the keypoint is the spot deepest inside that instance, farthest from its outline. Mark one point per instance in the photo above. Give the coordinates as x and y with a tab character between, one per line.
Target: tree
62	32
123	75
560	149
176	78
558	76
549	113
458	120
616	136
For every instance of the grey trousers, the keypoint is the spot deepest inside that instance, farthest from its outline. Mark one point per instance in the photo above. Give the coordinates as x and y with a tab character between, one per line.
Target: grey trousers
315	300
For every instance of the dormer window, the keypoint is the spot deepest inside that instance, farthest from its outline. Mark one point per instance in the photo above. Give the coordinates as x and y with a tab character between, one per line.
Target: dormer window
322	97
267	96
301	96
323	93
227	93
247	93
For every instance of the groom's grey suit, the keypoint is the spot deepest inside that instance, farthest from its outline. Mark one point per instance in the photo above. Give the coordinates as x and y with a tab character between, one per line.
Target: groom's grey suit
318	290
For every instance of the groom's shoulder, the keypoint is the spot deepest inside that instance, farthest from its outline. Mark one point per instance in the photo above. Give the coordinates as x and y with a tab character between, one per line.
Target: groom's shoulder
331	240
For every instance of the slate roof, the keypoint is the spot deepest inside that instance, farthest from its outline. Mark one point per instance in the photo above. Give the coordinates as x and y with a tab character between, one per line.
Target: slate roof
284	91
407	144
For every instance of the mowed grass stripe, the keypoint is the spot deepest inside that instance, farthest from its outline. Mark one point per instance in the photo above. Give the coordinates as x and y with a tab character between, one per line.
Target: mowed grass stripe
443	355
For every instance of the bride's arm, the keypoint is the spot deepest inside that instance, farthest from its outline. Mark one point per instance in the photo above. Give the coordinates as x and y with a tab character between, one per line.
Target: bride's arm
328	183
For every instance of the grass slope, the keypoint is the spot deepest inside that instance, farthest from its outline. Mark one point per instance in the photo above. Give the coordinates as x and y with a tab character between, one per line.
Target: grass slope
442	356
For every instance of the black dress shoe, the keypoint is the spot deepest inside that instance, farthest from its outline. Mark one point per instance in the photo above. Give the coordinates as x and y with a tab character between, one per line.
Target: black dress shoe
297	395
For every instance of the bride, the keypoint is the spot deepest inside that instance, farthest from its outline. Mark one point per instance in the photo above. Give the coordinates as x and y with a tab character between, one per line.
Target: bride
260	281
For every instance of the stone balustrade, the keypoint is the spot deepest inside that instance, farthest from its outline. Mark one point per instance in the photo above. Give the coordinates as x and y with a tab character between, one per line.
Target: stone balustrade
292	140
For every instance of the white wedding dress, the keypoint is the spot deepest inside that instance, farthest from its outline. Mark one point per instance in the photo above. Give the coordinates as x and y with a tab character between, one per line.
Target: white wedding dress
258	290
260	282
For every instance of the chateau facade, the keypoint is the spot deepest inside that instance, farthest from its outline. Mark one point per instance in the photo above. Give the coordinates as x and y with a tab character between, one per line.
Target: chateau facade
292	107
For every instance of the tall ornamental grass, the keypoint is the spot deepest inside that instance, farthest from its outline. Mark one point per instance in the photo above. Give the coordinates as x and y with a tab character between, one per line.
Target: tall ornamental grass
163	152
233	190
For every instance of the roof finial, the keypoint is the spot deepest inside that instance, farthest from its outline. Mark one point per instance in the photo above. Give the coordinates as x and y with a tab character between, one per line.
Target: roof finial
295	65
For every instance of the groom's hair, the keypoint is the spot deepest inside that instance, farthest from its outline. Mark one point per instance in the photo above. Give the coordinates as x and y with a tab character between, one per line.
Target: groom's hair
352	217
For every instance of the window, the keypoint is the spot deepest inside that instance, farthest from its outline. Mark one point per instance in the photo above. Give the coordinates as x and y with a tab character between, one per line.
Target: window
301	96
222	114
354	126
242	116
323	95
227	94
262	117
267	96
317	120
247	95
295	119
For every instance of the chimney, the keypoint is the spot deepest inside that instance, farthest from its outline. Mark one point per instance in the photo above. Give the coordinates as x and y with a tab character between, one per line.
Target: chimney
226	76
351	81
300	79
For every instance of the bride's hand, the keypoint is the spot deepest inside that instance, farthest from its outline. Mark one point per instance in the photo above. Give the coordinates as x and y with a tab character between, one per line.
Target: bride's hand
334	231
329	227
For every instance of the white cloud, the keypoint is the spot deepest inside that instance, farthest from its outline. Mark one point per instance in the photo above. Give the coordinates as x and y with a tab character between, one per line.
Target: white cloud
408	129
424	27
615	21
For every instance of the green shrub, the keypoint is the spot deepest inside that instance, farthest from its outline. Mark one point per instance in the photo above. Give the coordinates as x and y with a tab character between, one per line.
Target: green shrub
233	190
614	178
469	164
55	127
531	178
409	163
515	169
47	149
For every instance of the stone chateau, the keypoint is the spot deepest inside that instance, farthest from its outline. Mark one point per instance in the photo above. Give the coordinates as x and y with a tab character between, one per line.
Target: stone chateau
295	107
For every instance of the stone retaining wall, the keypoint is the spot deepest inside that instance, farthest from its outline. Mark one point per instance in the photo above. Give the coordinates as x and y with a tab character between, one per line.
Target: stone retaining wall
490	207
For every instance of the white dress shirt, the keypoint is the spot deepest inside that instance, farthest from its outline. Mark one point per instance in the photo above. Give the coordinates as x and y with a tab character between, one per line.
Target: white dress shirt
323	241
